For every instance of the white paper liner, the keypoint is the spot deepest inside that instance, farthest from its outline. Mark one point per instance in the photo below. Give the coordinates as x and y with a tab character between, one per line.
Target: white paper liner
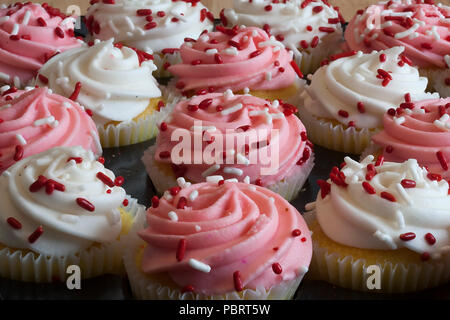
436	80
160	59
132	132
144	288
309	60
346	272
94	261
288	188
335	137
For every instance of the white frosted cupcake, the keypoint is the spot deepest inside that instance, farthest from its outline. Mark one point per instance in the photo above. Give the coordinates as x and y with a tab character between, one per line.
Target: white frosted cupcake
115	84
386	215
156	27
62	207
312	29
346	100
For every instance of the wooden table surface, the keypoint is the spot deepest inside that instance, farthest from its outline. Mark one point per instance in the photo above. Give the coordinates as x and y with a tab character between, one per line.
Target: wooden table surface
348	7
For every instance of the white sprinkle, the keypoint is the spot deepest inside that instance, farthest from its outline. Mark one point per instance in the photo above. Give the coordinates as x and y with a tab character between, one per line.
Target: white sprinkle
386	239
302	270
193	195
402	192
44	121
113	26
173	216
275	104
210	170
129	23
228	94
247	180
168	196
268	76
17	82
15	29
233	109
96	138
181	182
114	217
407	32
447	60
26	17
400	120
234	180
246	90
233	171
242	159
434	33
67	105
211	52
400	219
231	51
214	179
21	139
4	77
70	218
198	228
200	266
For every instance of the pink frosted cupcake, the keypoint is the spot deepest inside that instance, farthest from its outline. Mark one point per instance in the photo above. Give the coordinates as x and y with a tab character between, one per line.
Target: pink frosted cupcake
422	27
268	147
30	35
311	29
37	120
231	241
421	131
245	60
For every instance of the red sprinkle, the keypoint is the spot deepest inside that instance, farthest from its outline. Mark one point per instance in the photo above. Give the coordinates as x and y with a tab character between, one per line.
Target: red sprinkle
83	203
368	187
59	32
276	267
255	53
18	155
388	196
182	202
380	161
174	191
105	179
76	92
181	250
268	7
425	256
163	126
361	107
326	29
188	288
314	42
144	12
155	202
43	79
237	281
38	184
101	160
125	202
325	188
317	9
258	182
382	57
205	103
296	232
343	113
389	149
41	22
296	69
426	45
36	234
442	160
407	236
434	177
430	239
342	55
14	223
218	58
408	184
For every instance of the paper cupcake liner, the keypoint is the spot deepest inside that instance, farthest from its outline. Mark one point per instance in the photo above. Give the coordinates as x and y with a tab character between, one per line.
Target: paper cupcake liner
144	288
97	260
335	137
288	188
161	59
309	61
132	132
436	80
351	273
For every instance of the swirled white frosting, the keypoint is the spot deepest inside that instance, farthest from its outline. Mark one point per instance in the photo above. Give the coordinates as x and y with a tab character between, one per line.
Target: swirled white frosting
67	227
346	81
286	18
353	217
114	85
121	21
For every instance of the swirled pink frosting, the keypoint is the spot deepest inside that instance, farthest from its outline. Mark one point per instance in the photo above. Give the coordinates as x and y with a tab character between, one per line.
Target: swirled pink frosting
28	38
234	59
66	124
423	29
418	137
291	148
233	227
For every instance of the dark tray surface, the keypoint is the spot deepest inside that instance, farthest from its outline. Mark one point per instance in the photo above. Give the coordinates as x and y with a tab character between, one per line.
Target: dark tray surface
126	161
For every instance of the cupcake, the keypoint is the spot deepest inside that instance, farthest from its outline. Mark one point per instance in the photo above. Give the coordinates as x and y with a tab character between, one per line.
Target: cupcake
419	130
239	137
385	216
230	242
311	29
36	120
422	27
346	100
116	86
30	34
156	27
60	208
245	60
